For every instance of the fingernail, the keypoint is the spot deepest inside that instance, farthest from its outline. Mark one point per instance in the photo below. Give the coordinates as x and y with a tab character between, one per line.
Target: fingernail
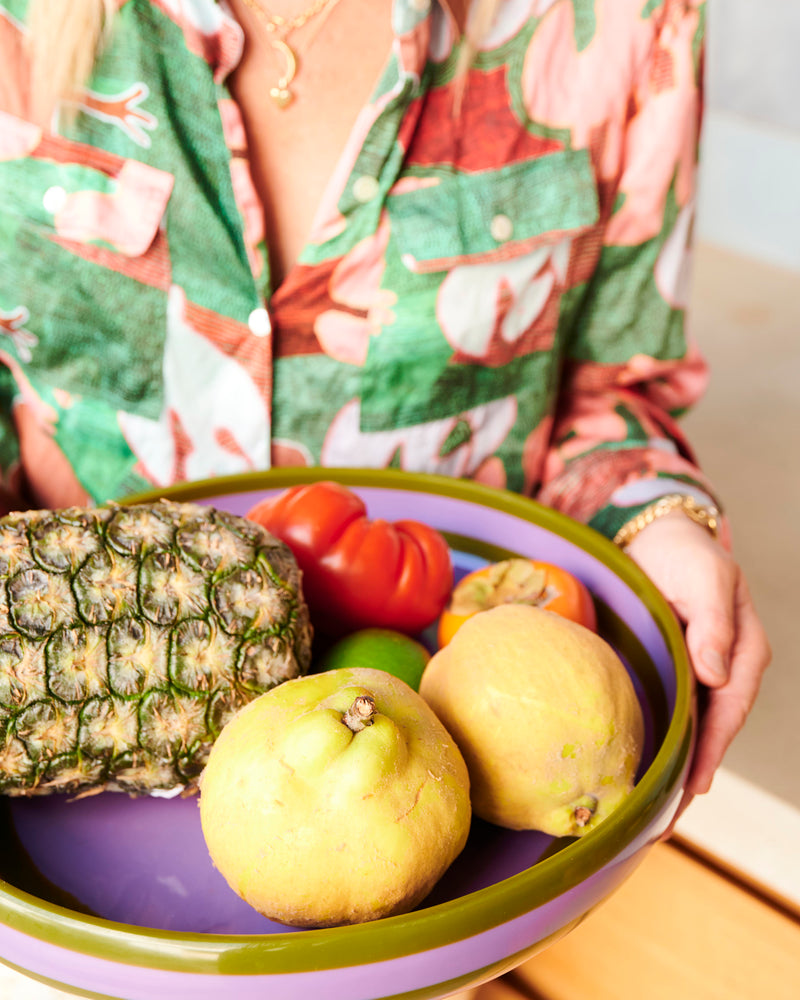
715	664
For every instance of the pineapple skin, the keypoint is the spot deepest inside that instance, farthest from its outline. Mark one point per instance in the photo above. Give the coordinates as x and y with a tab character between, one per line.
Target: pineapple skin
129	636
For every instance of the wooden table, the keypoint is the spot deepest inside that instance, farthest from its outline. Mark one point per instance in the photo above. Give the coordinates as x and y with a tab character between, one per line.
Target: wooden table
679	928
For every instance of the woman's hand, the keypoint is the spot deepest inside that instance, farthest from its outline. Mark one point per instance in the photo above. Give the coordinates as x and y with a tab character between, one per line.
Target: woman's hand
727	644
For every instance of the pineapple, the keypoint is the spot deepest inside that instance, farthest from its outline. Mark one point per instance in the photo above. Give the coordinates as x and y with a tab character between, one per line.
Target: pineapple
129	635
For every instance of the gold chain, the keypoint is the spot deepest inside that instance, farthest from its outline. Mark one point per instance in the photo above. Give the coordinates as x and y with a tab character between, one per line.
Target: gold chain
278	28
276	22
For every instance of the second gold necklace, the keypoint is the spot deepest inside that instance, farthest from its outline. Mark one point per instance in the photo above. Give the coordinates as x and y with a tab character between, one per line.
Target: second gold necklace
278	29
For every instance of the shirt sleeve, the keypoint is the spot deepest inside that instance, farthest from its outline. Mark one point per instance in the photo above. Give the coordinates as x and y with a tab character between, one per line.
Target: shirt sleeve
630	368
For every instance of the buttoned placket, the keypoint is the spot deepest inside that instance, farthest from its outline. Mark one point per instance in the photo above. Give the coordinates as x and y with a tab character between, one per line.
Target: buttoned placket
376	166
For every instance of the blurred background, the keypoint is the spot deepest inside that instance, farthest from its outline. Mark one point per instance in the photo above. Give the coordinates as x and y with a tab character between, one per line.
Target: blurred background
746	316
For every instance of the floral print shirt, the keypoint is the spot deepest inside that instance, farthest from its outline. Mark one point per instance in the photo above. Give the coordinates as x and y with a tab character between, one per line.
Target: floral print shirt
494	292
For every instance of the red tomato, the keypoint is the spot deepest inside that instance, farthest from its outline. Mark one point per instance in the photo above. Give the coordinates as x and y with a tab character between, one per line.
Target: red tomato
517	581
357	572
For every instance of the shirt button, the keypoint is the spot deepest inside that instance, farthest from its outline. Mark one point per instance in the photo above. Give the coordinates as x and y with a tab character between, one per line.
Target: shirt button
259	322
365	188
501	228
54	199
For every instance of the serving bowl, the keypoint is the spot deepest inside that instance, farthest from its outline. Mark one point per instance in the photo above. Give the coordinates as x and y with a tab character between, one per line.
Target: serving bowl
115	896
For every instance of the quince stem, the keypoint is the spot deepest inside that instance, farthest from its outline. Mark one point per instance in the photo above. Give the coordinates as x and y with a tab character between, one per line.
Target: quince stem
584	810
360	714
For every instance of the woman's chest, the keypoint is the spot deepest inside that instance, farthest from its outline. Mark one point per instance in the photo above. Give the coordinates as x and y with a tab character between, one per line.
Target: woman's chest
299	96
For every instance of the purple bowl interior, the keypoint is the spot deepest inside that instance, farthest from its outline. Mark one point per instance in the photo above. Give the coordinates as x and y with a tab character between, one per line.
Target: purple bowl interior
143	861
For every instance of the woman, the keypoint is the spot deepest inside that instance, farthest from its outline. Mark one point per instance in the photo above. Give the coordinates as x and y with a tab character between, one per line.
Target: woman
353	232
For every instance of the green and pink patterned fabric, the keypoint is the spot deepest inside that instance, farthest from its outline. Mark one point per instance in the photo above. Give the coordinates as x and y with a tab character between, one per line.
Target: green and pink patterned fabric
495	292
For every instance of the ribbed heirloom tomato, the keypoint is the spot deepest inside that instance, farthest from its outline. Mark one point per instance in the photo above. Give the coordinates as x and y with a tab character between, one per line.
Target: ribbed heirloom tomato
359	573
517	581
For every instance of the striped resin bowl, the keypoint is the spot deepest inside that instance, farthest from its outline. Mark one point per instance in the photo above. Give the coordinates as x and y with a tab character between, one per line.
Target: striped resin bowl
112	896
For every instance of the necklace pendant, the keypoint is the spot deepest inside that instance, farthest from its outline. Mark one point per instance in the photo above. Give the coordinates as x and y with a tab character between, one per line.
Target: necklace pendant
281	95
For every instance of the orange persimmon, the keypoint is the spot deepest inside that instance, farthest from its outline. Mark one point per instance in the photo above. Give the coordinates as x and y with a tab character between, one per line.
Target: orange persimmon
517	581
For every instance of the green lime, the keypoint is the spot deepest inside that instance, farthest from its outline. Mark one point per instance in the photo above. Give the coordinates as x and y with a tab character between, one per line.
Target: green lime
381	649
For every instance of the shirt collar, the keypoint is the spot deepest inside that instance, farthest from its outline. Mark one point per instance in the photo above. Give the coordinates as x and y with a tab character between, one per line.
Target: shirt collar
458	11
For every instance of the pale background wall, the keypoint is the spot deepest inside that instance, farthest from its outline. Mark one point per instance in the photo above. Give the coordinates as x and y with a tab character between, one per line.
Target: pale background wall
752	52
750	197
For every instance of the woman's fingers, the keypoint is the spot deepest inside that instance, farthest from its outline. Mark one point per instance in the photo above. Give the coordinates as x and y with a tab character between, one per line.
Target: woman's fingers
726	642
708	608
728	705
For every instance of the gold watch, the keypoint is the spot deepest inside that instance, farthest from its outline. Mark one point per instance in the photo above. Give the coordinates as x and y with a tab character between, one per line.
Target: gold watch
706	515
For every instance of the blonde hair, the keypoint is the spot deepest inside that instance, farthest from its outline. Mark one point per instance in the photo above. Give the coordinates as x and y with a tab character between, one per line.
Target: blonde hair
65	37
479	21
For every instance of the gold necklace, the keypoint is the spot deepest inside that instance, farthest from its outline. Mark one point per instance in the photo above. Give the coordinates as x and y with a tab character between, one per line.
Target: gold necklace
278	28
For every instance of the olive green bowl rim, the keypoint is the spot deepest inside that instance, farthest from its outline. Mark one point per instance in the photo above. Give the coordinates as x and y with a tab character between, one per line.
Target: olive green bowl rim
439	925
